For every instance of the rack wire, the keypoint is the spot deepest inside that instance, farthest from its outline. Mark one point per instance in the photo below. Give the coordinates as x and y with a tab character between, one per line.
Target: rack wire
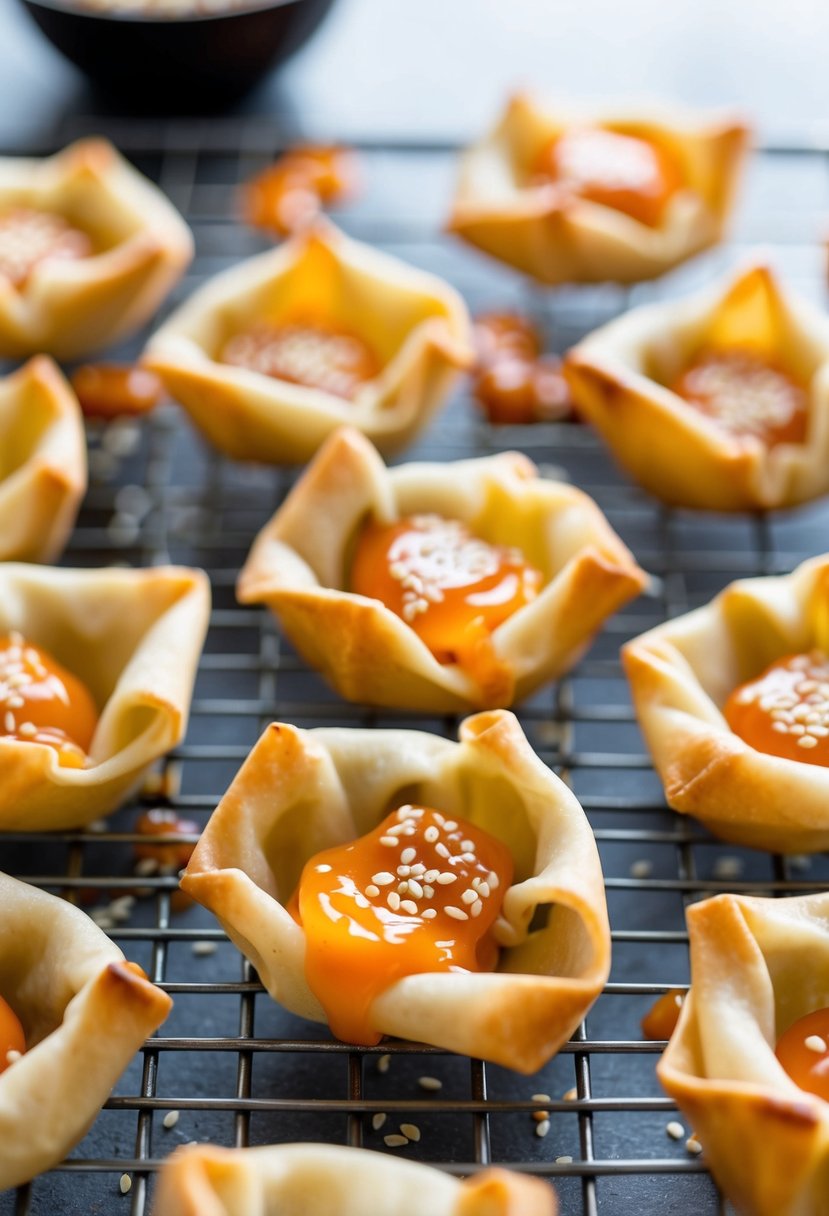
236	1068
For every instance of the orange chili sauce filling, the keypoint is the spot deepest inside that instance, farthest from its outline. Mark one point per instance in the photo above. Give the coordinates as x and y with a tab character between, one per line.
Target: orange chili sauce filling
661	1019
785	710
746	395
42	702
420	893
12	1038
803	1052
28	237
451	587
624	172
319	356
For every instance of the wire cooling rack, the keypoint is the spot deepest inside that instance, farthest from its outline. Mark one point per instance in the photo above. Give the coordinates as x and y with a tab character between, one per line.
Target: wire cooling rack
234	1067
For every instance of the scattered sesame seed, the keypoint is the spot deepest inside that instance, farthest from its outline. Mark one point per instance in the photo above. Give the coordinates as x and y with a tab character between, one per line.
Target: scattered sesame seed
807	741
415	888
542	1098
383	1063
428	914
382	878
27	729
450	825
125	1184
455	913
170	1119
408	905
431	1083
390	842
815	1043
483	890
378	1120
393	900
542	1128
431	834
468	846
145	867
728	867
442	850
446	878
9	722
203	949
469	896
570	1095
693	1146
643	868
13	1056
477	908
395	1141
564	1160
493	880
675	1130
371	891
411	1131
408	856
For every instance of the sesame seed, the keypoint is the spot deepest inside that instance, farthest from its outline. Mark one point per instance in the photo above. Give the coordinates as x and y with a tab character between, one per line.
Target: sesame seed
455	913
393	900
642	868
542	1098
728	867
806	741
389	841
446	878
371	891
408	905
477	908
815	1043
403	887
378	1120
442	850
428	914
483	890
27	729
469	896
493	880
125	1183
170	1119
382	878
408	856
411	1131
570	1095
430	1083
204	949
383	1063
323	869
9	723
13	1056
418	870
395	1141
415	888
430	875
145	867
403	871
693	1146
468	846
564	1160
540	1115
15	702
675	1130
428	891
542	1128
450	825
431	834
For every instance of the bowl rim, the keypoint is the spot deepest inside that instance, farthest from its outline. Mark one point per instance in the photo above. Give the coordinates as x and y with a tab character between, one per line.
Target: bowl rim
139	16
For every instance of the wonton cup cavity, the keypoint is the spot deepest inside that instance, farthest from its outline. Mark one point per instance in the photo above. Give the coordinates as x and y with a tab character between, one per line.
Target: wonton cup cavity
84	1012
298	566
618	377
140	248
757	966
416	324
558	237
42	462
134	638
331	1180
681	674
303	791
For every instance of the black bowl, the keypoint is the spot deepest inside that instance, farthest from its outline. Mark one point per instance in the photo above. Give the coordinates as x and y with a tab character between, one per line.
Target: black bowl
183	63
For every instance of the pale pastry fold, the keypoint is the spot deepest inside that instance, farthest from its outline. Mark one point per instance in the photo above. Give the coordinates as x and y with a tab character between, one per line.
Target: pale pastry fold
757	966
303	791
140	248
681	674
134	638
298	566
84	1011
618	377
557	237
42	462
331	1180
416	324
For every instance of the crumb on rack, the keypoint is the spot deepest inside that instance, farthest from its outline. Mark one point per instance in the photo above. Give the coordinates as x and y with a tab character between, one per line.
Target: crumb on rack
410	1130
378	1120
125	1184
675	1130
170	1119
395	1141
542	1128
429	1083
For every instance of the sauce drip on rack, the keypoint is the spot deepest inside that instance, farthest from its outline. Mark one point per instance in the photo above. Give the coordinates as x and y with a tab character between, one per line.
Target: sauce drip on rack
42	702
785	710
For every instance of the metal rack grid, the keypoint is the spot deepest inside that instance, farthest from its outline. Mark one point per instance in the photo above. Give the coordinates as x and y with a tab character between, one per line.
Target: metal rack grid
238	1069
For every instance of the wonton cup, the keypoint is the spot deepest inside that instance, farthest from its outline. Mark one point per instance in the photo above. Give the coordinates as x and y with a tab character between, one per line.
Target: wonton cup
416	324
557	237
134	638
332	1180
140	248
303	791
42	462
681	674
757	966
298	566
618	375
85	1012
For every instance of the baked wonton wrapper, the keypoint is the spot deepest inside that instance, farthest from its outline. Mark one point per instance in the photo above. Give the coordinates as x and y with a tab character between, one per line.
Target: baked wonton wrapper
85	1012
134	638
298	566
332	1180
558	237
416	324
42	462
140	248
757	966
618	375
303	791
681	674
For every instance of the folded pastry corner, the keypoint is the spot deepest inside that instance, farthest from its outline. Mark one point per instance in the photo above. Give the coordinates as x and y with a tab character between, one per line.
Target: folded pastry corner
205	1180
759	646
128	643
84	1012
564	572
88	250
302	792
42	462
758	966
717	401
622	195
272	356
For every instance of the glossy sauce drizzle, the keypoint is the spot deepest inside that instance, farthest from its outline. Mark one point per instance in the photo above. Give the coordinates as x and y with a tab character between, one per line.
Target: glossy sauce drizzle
746	395
624	172
420	893
42	702
318	356
785	710
28	237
